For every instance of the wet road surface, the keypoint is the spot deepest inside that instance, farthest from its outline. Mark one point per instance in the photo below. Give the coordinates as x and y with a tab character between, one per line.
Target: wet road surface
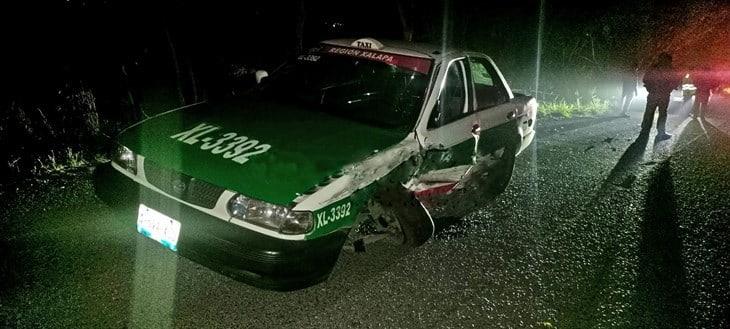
598	229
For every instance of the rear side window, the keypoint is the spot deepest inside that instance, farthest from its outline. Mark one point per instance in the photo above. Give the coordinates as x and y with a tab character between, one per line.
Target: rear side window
488	89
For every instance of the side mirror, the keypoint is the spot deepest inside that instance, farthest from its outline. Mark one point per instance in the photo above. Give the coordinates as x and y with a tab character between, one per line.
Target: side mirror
260	75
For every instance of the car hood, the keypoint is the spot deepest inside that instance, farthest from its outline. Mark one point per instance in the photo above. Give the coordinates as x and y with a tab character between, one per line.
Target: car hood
306	146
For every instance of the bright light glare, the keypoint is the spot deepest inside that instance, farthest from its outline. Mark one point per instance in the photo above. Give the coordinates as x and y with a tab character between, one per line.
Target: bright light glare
127	156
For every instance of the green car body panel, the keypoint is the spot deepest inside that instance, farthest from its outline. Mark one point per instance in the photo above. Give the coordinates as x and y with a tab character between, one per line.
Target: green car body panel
327	221
306	147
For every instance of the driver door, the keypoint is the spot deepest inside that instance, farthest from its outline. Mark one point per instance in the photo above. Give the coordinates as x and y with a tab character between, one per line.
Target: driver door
451	143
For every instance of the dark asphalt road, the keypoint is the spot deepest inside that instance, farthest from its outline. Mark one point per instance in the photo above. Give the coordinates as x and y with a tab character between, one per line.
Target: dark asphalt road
597	230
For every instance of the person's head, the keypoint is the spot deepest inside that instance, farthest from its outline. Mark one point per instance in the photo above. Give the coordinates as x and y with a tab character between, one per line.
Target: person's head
664	59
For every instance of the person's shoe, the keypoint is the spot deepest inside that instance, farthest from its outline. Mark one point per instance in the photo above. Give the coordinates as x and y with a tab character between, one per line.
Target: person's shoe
663	136
625	115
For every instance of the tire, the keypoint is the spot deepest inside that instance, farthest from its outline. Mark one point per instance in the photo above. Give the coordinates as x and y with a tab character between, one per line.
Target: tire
503	170
416	224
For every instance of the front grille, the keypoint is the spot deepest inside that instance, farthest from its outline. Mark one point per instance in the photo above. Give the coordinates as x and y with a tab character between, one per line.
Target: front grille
184	187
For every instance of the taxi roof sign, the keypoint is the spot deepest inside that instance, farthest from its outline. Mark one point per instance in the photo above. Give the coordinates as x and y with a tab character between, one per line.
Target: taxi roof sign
367	43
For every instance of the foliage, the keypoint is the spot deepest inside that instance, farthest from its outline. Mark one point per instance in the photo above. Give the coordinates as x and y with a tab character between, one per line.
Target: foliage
557	109
53	164
47	133
593	106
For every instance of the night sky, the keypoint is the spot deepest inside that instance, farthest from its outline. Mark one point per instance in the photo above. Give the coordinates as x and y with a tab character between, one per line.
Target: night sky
63	35
112	45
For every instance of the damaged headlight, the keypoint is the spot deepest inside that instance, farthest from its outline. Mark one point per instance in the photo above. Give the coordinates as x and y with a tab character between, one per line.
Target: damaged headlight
271	216
125	158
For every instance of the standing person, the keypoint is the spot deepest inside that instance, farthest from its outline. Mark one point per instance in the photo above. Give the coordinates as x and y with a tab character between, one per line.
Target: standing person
629	88
704	82
659	81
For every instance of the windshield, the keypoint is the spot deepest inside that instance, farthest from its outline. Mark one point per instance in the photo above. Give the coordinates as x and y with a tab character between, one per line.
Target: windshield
364	90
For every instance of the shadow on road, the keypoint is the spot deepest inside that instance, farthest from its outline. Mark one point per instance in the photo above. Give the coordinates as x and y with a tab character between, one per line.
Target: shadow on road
713	126
623	173
661	294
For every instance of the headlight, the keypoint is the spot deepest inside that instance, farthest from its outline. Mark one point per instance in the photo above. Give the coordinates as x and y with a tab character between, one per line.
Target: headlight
125	158
271	216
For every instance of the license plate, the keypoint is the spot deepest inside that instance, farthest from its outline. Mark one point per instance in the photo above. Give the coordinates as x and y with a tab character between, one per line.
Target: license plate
158	226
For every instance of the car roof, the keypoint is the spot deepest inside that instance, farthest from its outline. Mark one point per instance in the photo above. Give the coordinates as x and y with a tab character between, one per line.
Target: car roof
413	49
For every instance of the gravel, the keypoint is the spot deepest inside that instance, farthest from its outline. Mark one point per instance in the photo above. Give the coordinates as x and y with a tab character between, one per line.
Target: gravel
596	230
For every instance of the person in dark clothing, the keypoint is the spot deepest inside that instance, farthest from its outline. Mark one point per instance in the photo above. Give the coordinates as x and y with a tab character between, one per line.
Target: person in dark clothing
629	88
705	83
659	81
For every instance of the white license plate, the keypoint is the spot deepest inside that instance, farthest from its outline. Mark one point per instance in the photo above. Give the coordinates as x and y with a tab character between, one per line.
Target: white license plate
157	226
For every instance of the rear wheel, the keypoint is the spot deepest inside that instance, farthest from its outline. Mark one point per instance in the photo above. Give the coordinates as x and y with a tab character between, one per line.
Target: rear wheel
502	170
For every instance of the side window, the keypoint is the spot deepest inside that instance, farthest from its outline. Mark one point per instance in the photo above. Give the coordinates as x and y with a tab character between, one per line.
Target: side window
452	102
488	89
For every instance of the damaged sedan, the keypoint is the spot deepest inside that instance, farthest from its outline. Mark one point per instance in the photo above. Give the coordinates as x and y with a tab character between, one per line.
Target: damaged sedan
354	141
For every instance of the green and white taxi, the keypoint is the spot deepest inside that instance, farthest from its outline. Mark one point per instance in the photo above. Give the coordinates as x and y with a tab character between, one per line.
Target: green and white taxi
352	141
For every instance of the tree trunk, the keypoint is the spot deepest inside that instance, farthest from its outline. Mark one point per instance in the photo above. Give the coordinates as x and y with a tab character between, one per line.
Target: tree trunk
193	82
406	28
301	18
176	63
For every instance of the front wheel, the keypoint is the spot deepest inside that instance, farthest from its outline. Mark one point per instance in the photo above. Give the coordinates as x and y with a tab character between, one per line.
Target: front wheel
401	207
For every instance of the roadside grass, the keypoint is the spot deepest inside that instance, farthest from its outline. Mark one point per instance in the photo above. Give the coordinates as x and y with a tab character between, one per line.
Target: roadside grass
563	109
63	162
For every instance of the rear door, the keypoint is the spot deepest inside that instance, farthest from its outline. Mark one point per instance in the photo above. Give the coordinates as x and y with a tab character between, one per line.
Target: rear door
498	133
492	103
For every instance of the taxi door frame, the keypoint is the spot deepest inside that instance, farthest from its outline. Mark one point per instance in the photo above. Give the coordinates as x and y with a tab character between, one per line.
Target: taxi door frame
431	139
444	139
